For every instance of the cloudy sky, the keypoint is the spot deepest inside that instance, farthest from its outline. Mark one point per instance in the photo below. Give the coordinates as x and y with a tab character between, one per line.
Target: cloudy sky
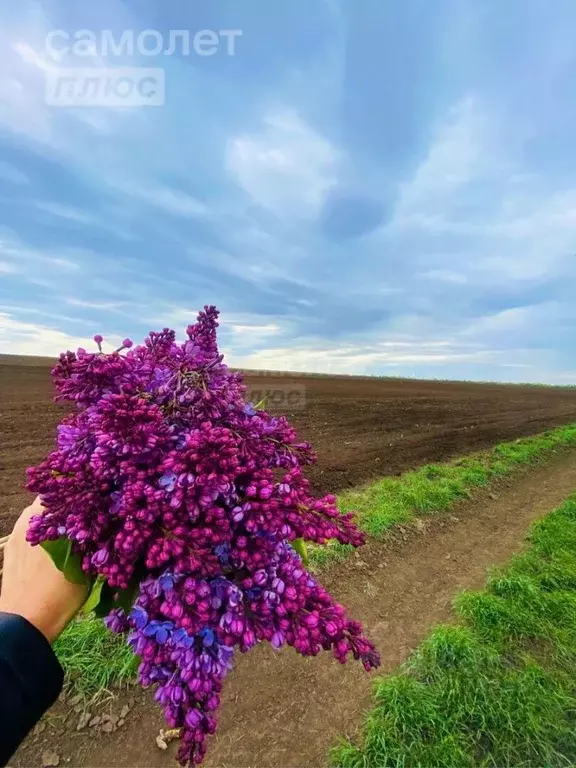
366	186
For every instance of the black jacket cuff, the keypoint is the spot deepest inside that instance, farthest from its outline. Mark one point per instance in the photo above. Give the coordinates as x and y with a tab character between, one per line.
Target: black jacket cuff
31	679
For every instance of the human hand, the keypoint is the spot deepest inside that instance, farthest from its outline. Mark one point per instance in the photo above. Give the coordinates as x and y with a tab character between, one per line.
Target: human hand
33	587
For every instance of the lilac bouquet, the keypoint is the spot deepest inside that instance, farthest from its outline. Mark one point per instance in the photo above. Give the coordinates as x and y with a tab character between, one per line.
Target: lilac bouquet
183	507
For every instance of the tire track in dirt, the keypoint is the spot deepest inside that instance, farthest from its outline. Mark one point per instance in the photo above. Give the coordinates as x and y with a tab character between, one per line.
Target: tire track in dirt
281	710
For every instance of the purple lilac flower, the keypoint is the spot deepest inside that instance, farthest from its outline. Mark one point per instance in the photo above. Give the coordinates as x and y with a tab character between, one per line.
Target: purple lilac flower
165	478
168	481
68	436
159	630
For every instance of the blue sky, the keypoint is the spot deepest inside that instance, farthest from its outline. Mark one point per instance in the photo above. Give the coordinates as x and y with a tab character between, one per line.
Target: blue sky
366	186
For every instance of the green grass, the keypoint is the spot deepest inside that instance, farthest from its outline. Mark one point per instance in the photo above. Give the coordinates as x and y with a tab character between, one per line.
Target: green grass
438	487
500	688
94	660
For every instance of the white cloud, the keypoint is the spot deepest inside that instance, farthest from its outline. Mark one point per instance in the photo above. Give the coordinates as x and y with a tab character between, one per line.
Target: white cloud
523	324
505	321
236	322
53	315
109	306
172	201
23	338
472	188
30	56
65	212
462	151
10	173
257	330
66	264
66	133
419	344
105	220
286	167
444	276
174	317
6	268
255	256
358	358
536	236
17	253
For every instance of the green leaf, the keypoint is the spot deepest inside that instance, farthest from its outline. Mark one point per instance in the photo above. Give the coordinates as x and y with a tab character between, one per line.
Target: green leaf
126	597
131	666
69	563
73	569
106	602
95	595
58	551
260	406
299	546
111	598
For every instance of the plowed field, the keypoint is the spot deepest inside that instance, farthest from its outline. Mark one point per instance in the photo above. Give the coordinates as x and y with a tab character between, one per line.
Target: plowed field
360	427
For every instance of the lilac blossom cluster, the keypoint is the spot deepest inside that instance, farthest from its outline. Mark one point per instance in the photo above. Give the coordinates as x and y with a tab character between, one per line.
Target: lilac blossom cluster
168	483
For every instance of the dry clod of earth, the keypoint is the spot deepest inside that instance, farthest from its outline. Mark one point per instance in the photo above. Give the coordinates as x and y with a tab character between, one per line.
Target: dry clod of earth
160	743
165	737
50	759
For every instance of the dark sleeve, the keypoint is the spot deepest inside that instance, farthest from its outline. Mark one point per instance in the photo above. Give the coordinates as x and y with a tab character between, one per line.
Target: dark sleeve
30	680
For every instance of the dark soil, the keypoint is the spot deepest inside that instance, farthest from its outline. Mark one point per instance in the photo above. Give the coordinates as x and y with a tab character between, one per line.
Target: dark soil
361	428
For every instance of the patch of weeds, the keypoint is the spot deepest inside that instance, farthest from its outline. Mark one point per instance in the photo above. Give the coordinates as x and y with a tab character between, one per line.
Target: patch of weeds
94	659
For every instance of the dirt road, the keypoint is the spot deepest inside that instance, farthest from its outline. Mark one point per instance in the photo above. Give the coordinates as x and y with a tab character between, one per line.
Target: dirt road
361	428
283	711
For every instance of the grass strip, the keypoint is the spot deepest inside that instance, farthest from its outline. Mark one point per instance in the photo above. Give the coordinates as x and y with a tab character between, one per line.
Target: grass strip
500	688
94	659
436	488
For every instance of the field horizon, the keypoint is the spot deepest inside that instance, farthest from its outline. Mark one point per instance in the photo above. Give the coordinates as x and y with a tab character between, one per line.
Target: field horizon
48	361
361	428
